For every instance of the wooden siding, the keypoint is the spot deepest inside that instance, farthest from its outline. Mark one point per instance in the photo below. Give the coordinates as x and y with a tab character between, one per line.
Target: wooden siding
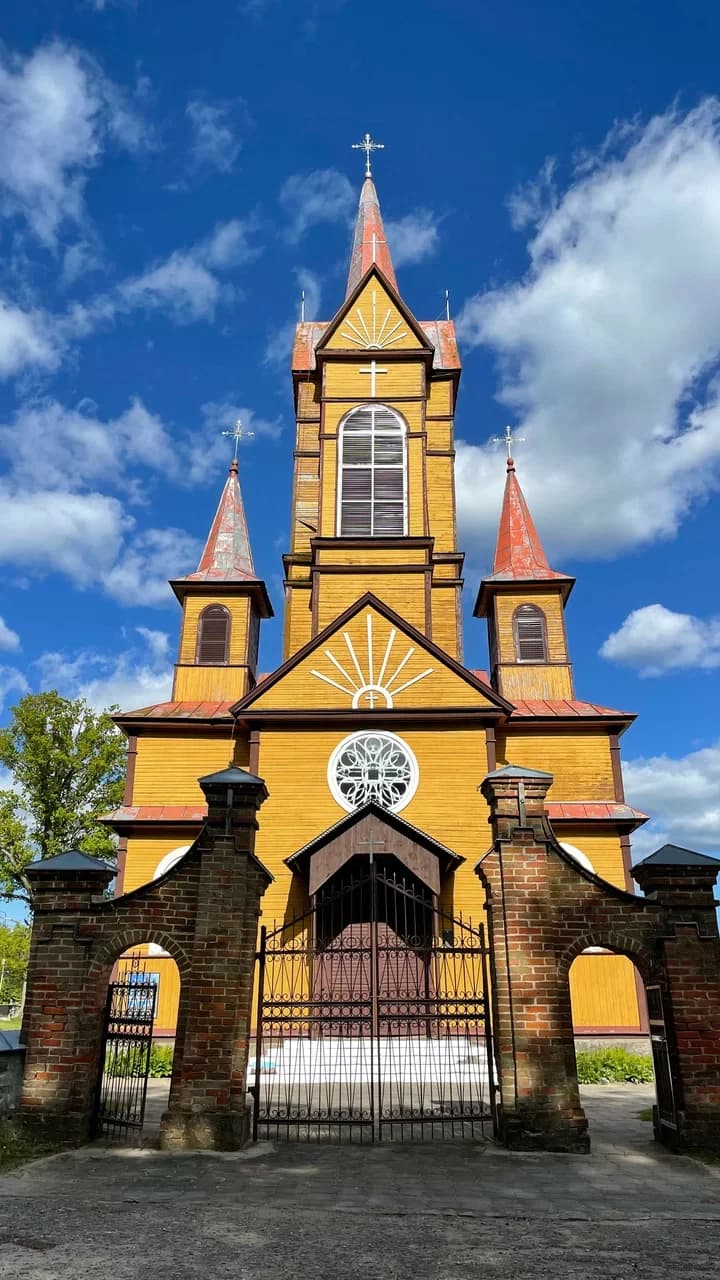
298	620
403	592
534	680
238	607
601	847
603	993
551	604
168	986
403	378
361	313
167	766
146	851
300	689
342	553
441	505
440	398
443	603
209	684
579	759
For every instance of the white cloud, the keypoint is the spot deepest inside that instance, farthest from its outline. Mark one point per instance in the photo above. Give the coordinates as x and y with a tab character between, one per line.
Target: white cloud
682	795
279	345
158	642
58	114
186	284
136	678
79	535
325	195
215	144
9	639
84	448
141	572
208	451
609	347
26	340
658	640
412	238
11	681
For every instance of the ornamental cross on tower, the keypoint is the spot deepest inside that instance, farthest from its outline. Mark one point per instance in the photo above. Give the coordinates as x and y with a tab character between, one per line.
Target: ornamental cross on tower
508	439
237	434
368	146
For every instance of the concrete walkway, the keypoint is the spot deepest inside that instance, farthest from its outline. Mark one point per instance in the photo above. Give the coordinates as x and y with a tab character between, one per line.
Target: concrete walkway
445	1212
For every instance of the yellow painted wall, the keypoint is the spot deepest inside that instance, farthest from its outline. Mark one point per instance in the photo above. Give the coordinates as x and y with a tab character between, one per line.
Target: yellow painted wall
239	609
406	661
531	680
603	993
445	619
301	805
403	592
145	851
603	848
551	604
210	684
346	379
168	765
372	310
578	758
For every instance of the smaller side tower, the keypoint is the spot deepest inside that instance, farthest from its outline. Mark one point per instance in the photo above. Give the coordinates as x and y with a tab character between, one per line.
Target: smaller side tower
223	603
523	600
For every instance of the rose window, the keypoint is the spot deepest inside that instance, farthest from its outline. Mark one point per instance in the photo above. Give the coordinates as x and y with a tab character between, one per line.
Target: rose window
373	766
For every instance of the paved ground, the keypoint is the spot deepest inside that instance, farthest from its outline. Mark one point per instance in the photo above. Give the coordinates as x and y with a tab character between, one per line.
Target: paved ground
395	1213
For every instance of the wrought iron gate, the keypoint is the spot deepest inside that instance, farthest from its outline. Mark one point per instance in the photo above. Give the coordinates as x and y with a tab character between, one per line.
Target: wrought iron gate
125	1054
666	1105
372	1020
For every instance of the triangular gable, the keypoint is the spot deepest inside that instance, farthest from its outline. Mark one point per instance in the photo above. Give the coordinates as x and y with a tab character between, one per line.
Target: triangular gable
369	660
374	318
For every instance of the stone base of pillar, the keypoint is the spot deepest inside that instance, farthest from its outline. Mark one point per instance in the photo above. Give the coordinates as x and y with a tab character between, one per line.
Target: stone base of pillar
545	1131
697	1132
56	1127
204	1130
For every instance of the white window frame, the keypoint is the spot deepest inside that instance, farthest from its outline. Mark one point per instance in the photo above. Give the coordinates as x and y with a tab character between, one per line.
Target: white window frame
372	407
397	741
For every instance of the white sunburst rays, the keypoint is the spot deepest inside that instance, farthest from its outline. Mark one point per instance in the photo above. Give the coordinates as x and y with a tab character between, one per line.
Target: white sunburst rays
362	686
378	334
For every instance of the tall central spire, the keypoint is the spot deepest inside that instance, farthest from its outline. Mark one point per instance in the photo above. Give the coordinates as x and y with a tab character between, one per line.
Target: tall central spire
369	241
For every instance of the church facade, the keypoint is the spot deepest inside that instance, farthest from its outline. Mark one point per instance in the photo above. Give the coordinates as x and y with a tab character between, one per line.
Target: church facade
372	701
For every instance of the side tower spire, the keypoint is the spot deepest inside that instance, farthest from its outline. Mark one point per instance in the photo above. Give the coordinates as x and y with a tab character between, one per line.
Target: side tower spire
223	602
523	600
370	244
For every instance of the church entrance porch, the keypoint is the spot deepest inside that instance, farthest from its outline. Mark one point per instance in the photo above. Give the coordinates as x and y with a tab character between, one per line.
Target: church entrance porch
372	1022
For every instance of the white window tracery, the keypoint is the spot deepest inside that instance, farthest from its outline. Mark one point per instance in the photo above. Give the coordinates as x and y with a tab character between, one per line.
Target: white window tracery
372	481
377	767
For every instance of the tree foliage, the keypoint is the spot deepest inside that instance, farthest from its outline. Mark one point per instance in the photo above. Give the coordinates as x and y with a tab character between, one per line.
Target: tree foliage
67	764
14	951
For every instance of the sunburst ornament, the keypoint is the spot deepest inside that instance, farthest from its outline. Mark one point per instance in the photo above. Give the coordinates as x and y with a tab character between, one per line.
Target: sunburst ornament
375	333
360	682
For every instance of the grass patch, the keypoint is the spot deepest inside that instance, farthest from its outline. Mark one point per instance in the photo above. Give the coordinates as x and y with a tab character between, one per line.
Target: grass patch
645	1114
161	1063
17	1146
10	1024
613	1066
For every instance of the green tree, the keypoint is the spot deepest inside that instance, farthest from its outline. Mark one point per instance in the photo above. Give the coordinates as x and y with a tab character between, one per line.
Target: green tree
14	951
67	764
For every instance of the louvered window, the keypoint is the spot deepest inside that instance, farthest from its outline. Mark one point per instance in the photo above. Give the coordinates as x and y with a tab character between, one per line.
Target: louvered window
213	635
530	635
372	474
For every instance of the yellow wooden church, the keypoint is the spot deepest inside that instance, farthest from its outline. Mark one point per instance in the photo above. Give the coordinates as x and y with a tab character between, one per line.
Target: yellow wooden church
372	700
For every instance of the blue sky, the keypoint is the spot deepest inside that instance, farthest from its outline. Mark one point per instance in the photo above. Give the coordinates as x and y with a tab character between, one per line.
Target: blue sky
171	177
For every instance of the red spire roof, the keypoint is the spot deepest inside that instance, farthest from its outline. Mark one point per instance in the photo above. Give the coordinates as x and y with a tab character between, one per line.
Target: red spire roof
227	556
519	552
369	242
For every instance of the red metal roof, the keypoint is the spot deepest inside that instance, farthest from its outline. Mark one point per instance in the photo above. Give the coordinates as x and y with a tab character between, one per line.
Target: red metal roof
581	811
180	711
156	813
440	335
560	707
370	244
519	552
227	556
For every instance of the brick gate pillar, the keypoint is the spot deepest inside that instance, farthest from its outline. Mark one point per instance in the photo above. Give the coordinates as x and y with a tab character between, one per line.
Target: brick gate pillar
62	1017
532	1016
684	882
207	1104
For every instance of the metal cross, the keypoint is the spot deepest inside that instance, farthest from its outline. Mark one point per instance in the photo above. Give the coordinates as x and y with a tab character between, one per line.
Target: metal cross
367	145
508	439
373	370
372	847
237	434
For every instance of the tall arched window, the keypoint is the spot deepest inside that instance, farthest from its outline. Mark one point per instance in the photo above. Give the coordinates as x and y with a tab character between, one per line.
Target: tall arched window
213	635
372	485
530	634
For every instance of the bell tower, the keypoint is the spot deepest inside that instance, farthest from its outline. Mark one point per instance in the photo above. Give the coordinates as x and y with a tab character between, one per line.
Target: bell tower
373	491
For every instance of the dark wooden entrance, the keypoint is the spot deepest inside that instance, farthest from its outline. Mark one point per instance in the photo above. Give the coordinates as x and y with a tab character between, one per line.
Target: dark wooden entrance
372	1021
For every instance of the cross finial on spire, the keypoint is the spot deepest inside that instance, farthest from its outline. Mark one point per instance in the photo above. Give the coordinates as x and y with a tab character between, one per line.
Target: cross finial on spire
237	434
508	439
367	145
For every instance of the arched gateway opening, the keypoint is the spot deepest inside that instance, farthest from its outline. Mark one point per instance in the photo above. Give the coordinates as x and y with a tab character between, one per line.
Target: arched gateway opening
372	1019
